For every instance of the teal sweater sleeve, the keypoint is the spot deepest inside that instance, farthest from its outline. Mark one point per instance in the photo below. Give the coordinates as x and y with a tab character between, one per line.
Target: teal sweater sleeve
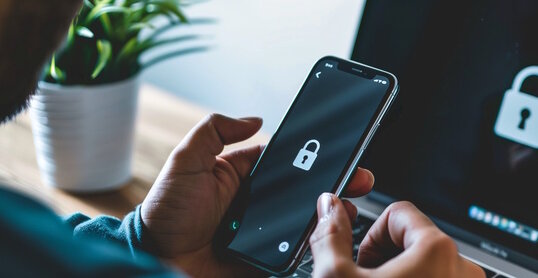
35	242
127	232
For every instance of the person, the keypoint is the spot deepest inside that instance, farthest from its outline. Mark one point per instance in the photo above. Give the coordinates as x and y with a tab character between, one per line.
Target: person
170	234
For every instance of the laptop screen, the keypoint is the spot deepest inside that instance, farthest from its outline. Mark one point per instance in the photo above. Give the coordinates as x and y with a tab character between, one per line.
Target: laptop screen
461	141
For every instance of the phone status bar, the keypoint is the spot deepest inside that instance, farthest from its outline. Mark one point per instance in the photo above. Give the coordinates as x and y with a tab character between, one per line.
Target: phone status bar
379	79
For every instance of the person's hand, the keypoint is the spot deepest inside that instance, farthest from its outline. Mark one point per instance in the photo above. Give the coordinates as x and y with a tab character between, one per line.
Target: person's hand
195	188
403	242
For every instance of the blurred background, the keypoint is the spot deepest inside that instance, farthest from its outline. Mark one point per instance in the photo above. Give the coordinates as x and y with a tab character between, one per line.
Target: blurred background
261	51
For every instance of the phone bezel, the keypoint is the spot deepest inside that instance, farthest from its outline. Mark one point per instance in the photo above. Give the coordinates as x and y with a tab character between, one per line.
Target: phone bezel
347	171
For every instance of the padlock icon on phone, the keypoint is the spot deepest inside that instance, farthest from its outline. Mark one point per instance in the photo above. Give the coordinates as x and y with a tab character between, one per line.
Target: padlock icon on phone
305	158
518	117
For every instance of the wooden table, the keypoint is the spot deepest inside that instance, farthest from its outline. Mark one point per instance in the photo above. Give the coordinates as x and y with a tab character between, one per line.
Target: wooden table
162	122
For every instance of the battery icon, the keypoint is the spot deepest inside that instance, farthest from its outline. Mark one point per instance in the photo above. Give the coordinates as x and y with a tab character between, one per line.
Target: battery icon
380	81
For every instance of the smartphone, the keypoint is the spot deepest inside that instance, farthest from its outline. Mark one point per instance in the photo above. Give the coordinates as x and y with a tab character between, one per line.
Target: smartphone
315	149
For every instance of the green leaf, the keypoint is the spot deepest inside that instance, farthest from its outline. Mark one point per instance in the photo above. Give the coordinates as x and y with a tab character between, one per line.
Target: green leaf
84	32
136	27
88	4
171	7
192	2
135	49
70	35
101	10
127	50
104	49
128	3
107	25
104	2
55	72
172	54
162	29
146	45
105	40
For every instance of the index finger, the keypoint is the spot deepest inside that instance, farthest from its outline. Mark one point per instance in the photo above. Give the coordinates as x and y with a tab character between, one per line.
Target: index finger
361	183
331	241
398	227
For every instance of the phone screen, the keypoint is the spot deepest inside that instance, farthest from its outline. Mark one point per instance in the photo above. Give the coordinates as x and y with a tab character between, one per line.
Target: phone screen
308	155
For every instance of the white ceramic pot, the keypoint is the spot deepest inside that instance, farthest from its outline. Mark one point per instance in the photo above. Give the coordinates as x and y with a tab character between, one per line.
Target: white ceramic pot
84	134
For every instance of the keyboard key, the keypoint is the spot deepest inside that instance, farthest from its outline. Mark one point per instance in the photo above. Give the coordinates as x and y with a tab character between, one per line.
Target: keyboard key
362	224
360	228
363	220
307	267
307	256
300	274
500	276
356	231
489	273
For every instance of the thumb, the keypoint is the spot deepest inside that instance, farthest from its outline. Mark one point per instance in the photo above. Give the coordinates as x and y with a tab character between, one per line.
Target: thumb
331	242
200	146
216	131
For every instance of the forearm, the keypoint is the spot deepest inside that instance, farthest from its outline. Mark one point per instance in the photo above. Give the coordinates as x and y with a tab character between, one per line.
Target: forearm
35	243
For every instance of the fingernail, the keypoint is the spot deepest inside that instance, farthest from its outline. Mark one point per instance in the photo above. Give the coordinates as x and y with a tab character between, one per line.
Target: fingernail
251	119
326	205
371	178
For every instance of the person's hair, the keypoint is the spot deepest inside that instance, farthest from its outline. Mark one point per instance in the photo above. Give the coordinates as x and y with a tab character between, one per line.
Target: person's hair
29	32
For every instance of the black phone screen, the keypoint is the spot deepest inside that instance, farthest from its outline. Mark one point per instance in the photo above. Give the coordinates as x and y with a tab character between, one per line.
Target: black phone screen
316	141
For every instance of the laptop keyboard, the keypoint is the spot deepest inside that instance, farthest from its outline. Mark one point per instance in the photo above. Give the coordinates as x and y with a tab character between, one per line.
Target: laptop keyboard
360	227
490	273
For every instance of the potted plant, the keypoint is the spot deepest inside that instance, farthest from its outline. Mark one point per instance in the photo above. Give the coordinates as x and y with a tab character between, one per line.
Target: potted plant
84	111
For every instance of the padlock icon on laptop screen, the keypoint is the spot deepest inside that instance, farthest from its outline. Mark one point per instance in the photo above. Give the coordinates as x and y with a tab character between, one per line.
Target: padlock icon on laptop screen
518	116
305	158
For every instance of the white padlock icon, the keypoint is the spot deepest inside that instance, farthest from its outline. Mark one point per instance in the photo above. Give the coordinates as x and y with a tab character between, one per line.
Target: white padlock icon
306	158
518	117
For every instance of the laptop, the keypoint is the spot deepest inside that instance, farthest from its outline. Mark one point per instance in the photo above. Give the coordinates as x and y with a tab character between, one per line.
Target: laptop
460	141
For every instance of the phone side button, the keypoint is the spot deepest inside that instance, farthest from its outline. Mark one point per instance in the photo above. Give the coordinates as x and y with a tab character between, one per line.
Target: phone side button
370	137
386	107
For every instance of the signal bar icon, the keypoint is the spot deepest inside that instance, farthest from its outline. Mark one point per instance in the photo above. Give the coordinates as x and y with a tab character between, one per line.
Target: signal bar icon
380	81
